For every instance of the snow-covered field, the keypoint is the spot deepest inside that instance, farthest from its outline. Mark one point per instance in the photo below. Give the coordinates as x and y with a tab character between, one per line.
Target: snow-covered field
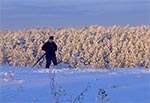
64	85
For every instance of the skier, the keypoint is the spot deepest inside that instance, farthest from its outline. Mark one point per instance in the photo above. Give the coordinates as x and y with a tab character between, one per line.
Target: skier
50	48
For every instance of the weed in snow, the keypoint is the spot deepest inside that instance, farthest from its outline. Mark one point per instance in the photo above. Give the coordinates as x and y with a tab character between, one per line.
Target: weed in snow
102	95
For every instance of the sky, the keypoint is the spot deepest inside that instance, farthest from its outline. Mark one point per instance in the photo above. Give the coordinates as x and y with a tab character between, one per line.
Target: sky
19	14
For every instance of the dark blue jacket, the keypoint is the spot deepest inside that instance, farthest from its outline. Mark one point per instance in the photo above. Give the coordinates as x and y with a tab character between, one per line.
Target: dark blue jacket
50	49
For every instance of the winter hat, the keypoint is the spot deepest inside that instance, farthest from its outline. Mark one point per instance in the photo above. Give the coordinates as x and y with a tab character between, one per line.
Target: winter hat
51	37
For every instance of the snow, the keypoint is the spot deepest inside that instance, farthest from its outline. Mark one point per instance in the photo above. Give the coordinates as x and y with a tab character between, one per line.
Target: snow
65	85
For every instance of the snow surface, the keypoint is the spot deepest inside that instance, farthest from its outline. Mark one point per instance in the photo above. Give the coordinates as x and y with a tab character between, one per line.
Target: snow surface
39	85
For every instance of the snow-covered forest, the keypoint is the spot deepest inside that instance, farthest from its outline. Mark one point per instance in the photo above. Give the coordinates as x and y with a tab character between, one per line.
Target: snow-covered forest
82	48
94	46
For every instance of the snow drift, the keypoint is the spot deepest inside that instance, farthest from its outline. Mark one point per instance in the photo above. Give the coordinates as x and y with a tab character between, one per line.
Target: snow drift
65	85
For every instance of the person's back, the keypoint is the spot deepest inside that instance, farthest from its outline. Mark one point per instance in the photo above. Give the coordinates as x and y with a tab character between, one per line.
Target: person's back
50	48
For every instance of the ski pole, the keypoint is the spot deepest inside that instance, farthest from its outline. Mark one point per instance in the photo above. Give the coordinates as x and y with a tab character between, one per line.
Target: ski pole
39	59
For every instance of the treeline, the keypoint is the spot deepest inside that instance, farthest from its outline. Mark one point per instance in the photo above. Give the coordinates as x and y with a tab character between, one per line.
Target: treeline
94	46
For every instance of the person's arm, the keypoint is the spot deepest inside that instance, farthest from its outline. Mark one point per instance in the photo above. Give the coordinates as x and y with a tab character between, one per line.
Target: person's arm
44	47
55	47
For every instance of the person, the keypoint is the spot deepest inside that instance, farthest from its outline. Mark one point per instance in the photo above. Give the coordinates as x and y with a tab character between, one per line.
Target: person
50	48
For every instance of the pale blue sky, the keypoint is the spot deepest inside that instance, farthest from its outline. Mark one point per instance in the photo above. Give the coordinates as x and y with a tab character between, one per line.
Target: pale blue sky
18	14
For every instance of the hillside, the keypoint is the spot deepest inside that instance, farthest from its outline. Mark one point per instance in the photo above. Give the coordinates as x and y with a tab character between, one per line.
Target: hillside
94	46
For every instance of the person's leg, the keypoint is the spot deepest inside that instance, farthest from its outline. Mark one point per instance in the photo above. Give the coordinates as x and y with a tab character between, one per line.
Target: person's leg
54	60
48	62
